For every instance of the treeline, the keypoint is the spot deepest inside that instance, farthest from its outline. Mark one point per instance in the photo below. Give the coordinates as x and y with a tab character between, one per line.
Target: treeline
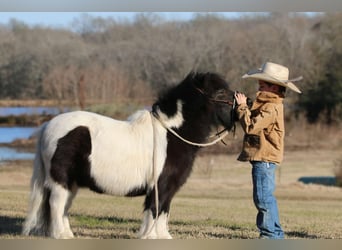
103	60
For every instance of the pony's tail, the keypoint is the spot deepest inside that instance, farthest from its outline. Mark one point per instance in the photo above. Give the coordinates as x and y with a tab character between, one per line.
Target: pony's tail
38	217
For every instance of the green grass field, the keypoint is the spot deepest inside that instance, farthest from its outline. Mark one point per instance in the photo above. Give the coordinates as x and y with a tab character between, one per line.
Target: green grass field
215	203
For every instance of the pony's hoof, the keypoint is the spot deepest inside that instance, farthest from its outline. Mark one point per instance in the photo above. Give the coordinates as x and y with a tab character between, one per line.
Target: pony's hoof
154	236
165	236
63	235
149	237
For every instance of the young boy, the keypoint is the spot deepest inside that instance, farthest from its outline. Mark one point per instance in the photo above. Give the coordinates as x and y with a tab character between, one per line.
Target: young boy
263	143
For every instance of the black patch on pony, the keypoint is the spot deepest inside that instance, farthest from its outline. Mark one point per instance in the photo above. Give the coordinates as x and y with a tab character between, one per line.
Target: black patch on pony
70	163
197	92
137	192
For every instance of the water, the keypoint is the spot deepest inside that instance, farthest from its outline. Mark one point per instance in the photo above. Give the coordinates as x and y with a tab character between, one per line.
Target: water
15	111
7	154
321	180
9	134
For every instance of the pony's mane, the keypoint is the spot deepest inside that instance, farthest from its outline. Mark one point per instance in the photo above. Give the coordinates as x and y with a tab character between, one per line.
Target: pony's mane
201	77
193	78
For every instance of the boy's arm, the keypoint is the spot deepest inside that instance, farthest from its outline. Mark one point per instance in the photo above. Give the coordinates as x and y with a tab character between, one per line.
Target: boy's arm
258	123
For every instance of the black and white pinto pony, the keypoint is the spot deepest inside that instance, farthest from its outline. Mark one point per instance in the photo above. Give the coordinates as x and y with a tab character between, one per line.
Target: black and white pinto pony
126	158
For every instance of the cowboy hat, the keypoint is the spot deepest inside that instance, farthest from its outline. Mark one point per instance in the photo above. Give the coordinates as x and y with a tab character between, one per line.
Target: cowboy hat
276	74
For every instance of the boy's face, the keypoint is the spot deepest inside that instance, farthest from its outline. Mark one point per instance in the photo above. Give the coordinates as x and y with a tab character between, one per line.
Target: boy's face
265	86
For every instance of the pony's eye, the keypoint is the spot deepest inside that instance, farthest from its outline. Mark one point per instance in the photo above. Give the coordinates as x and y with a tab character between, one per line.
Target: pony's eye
221	95
221	92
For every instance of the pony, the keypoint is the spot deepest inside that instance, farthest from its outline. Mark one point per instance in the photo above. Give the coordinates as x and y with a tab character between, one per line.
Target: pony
139	156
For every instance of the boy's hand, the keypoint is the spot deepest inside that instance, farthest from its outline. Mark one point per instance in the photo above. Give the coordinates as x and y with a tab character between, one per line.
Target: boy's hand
240	98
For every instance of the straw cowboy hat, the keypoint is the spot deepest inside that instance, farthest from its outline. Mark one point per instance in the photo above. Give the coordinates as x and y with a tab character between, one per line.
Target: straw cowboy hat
276	74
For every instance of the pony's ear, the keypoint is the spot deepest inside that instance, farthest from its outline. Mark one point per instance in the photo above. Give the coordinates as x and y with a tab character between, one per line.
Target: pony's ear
155	108
190	76
197	79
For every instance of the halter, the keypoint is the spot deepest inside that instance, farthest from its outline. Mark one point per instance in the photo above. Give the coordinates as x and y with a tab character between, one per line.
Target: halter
230	103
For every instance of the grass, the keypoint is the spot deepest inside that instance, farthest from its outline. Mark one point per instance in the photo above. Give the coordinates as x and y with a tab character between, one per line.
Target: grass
215	203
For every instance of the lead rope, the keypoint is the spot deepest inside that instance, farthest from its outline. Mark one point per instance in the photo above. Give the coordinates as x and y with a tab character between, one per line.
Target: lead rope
224	134
155	177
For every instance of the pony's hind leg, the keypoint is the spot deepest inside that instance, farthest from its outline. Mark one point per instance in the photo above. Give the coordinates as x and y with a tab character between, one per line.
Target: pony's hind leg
59	198
66	223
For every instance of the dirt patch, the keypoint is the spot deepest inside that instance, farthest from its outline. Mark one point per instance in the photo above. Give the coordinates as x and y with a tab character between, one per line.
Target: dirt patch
15	173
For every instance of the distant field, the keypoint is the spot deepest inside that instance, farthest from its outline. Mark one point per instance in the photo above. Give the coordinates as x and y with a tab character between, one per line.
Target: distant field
215	203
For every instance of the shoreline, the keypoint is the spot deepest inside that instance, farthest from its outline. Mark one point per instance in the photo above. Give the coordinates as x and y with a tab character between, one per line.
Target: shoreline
34	103
24	120
29	143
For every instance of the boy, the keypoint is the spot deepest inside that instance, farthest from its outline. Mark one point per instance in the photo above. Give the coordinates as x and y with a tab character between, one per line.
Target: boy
263	143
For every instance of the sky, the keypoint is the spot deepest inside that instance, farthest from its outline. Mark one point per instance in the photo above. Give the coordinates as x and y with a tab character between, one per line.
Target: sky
64	19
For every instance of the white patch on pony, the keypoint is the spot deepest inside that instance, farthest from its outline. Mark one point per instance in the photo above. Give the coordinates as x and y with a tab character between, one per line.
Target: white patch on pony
146	225
122	160
121	156
154	229
175	121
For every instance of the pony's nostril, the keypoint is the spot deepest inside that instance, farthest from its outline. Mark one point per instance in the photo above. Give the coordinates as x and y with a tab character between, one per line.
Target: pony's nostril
249	102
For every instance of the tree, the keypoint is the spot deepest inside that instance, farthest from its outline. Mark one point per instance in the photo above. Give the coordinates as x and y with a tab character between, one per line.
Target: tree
324	97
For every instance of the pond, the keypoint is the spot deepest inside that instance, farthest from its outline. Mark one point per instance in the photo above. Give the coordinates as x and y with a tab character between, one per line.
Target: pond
9	134
16	111
7	154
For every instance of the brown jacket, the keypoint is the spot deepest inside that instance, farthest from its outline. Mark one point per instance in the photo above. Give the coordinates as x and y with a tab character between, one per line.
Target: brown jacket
264	129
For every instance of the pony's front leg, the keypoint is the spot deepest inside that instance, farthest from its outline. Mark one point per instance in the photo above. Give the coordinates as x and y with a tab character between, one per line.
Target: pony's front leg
154	228
147	224
162	227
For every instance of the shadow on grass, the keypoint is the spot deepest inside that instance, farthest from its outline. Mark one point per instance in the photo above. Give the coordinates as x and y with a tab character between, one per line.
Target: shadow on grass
127	227
301	234
103	220
320	180
10	225
105	227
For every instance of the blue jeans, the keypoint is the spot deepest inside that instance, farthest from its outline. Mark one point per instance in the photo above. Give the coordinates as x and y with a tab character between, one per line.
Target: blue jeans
267	220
